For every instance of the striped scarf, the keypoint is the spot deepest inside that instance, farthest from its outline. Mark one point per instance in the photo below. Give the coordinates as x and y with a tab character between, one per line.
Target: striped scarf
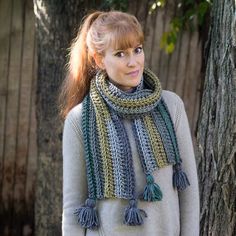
110	171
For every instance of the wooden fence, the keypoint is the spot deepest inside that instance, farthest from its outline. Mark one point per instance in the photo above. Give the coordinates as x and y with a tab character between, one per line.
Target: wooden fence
179	72
18	149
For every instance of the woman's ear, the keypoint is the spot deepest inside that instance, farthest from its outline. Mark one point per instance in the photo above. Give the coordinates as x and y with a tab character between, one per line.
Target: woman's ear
99	60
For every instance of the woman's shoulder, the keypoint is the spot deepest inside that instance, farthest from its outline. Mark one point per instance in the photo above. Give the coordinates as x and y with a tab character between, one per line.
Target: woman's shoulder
174	103
171	98
74	116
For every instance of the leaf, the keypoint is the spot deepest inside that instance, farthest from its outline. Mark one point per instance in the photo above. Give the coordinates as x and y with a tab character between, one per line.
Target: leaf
201	11
170	48
163	39
190	14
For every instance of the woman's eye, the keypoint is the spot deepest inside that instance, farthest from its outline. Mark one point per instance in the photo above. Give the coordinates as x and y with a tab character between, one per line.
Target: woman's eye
119	54
138	50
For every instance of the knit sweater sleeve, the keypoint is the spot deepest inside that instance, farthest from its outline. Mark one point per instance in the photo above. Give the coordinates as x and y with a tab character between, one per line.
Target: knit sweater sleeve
189	198
74	174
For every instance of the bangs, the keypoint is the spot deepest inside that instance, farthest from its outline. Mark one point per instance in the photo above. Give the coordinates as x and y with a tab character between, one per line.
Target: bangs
125	36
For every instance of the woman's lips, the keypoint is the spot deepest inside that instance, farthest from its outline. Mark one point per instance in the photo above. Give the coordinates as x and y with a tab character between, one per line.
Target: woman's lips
133	73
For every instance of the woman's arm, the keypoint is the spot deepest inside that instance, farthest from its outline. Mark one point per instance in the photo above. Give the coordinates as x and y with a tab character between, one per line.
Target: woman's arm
189	198
74	174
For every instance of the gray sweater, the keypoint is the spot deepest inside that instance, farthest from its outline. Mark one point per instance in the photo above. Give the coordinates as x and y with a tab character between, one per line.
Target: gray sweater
176	214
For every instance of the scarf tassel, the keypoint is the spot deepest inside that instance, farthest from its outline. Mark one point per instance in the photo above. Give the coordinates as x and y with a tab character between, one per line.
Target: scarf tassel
87	215
152	191
180	179
133	215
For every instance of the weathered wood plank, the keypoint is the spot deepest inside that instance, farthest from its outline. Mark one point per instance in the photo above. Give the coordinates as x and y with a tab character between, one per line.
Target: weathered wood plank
23	126
173	57
182	63
149	31
5	22
32	152
140	11
165	58
173	68
156	50
12	110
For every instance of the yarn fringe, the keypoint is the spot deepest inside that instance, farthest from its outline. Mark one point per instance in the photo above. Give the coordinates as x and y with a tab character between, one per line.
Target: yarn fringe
180	179
133	215
87	215
152	191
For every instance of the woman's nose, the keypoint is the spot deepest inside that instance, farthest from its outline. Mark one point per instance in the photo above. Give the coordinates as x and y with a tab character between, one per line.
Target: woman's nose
131	61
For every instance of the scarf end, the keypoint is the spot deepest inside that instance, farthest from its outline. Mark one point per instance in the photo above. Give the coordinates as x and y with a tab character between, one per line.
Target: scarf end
152	191
180	179
87	215
133	215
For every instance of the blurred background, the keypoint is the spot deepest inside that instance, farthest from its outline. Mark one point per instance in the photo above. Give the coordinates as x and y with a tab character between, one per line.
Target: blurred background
34	38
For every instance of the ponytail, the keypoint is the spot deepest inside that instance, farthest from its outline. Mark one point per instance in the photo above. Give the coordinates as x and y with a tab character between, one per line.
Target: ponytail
80	69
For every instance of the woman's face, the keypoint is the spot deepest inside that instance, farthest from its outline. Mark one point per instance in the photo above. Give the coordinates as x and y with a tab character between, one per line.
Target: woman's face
124	67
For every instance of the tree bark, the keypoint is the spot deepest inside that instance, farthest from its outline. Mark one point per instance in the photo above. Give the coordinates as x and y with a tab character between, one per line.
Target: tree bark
57	23
216	133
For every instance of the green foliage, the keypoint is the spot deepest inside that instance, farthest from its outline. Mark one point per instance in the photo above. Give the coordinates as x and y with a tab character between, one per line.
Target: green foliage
121	5
169	39
190	15
202	9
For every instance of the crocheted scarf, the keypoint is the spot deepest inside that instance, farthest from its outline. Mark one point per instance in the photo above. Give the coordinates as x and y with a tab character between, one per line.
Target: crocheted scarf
109	164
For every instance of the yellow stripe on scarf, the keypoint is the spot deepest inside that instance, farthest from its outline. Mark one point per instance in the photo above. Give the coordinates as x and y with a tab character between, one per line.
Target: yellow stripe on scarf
102	114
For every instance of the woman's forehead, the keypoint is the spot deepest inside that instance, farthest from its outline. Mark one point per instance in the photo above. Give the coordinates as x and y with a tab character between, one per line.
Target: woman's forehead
122	38
125	41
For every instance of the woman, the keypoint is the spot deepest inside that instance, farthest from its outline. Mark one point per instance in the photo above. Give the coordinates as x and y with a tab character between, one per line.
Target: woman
128	160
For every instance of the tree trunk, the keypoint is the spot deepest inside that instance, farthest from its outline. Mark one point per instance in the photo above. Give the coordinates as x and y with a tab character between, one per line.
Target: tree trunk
217	128
57	23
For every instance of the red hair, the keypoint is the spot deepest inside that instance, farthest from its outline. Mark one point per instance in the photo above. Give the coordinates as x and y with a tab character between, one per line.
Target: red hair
98	31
